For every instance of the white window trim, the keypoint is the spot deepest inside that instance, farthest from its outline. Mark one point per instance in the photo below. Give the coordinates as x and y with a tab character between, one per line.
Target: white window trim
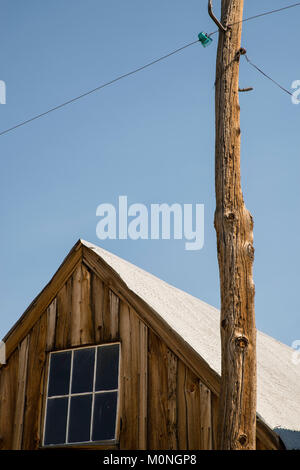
93	393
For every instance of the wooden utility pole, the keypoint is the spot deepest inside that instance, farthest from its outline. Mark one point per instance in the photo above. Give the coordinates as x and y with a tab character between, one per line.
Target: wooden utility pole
234	228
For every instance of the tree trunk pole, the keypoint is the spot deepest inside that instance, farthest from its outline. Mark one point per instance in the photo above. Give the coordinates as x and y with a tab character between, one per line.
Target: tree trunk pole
234	228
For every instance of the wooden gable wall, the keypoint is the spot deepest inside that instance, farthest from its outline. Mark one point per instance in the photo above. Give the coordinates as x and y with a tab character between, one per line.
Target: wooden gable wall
163	404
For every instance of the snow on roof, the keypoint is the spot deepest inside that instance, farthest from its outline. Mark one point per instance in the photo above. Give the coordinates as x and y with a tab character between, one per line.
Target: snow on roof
278	400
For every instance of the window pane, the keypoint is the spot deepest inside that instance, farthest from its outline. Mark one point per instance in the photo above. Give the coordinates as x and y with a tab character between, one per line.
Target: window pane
56	420
80	418
107	367
105	409
83	370
59	378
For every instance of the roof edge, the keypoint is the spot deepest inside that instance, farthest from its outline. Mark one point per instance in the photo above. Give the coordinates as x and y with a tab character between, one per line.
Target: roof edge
24	324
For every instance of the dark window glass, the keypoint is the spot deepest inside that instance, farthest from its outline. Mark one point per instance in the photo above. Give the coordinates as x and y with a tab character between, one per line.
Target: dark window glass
105	408
59	379
56	421
107	367
84	407
83	370
80	418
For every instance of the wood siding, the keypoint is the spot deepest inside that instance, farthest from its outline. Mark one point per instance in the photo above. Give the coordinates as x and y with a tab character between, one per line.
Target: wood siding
162	403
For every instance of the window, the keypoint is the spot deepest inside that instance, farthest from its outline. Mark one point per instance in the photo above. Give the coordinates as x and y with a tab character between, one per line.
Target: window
82	396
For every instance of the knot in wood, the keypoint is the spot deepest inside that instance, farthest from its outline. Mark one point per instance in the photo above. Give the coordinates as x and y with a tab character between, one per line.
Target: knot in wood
241	342
41	357
240	52
250	251
243	439
230	217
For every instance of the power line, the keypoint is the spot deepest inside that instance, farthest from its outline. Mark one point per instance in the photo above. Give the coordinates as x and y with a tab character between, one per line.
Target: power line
260	15
267	76
23	123
97	88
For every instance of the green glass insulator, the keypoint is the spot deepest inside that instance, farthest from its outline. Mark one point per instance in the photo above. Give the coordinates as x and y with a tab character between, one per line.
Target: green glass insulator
204	39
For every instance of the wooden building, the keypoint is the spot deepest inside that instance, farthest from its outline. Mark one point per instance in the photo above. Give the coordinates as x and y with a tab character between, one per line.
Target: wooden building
109	356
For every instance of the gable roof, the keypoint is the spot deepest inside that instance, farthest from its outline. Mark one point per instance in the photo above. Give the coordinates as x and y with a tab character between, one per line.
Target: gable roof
278	380
192	328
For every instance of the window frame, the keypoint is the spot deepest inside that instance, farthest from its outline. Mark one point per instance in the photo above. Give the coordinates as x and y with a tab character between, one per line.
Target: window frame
107	442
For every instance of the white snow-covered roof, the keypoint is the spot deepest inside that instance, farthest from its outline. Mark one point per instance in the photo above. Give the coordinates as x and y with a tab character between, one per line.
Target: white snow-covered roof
278	400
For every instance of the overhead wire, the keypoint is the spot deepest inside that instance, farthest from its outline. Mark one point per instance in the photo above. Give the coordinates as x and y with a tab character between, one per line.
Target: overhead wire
260	15
82	95
267	76
76	98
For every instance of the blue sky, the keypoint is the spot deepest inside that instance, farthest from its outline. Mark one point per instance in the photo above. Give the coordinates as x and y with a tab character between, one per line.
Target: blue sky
149	136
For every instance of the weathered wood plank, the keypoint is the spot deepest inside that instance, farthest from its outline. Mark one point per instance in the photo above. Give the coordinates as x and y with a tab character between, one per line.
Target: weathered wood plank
110	316
76	307
214	419
35	385
87	335
106	315
182	406
172	401
97	299
205	418
143	392
114	315
51	325
259	445
63	316
8	395
21	390
194	411
127	433
157	393
130	411
192	397
134	373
